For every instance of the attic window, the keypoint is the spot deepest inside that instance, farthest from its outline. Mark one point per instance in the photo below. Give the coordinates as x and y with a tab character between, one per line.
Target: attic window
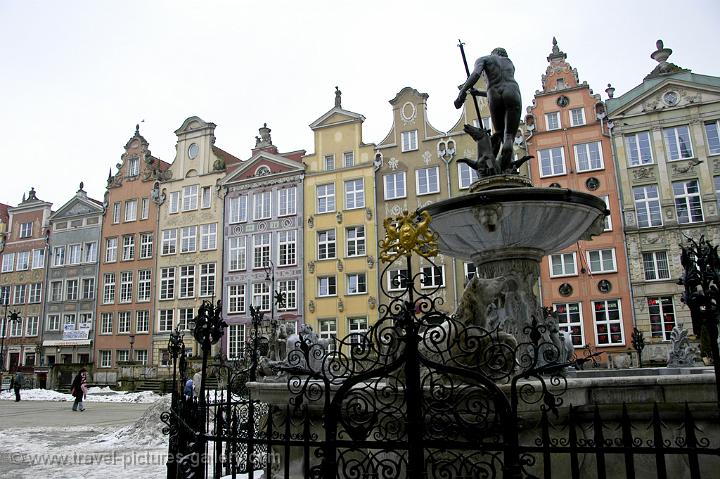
262	171
61	226
560	85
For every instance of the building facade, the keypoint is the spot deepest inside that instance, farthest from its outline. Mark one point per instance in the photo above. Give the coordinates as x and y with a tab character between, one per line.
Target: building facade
263	236
587	283
72	285
665	134
125	312
22	279
190	244
341	290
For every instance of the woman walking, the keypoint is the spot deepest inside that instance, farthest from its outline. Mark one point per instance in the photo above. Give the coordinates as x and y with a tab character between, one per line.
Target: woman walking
79	389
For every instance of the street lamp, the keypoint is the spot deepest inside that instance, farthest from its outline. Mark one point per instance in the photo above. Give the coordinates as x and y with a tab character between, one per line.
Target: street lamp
278	298
131	339
13	318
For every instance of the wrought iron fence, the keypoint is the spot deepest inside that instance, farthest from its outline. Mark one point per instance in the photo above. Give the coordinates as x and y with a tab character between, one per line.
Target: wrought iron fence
424	394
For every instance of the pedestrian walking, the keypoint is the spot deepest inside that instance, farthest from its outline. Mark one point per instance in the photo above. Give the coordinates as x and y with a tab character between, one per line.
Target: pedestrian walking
188	390
16	383
79	389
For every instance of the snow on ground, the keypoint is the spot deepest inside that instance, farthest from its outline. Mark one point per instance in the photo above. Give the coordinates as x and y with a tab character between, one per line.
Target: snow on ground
95	394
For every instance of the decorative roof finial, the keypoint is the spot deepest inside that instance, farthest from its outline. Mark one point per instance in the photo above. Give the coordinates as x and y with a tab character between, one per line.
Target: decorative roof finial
137	129
610	91
264	139
556	52
661	54
81	187
31	195
338	99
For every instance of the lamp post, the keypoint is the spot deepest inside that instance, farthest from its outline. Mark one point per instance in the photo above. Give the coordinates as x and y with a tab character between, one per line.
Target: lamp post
277	299
131	339
13	318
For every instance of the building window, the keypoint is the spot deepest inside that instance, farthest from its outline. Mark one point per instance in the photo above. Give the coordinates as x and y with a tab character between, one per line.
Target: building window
287	201
105	359
144	282
72	290
639	150
662	317
356	283
25	230
466	176
655	265
427	181
23	260
108	288
8	262
141	356
688	205
326	244
174	205
357	327
433	276
167	283
236	253
677	142
608	322
602	261
409	140
116	213
133	167
145	208
187	281
355	241
325	195
188	239
570	321
288	287
236	341
19	296
261	250
165	320
470	271
261	296
327	286
126	286
16	328
206	197
128	247
56	291
130	210
208	237
142	322
647	206
552	162
328	330
123	355
90	251
712	130
354	194
589	156
577	117
106	323
185	316
59	255
146	245
73	255
287	247
169	241
608	218
31	326
348	159
35	293
261	201
53	322
190	198
236	298
123	322
88	288
397	279
38	257
238	209
69	320
394	185
207	279
552	120
563	264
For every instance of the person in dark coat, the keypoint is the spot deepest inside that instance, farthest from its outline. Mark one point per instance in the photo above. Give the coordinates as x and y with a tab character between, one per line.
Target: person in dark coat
79	389
16	383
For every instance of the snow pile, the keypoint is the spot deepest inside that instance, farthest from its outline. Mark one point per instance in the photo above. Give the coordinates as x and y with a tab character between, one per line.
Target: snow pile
146	431
95	394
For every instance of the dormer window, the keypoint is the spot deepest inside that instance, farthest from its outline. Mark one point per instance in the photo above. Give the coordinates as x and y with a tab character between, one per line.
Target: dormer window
560	85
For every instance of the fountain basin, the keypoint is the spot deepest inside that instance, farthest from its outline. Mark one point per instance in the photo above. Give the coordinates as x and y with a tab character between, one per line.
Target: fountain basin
515	223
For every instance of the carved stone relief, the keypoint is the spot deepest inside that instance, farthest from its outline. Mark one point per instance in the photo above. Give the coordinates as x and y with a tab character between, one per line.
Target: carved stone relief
643	172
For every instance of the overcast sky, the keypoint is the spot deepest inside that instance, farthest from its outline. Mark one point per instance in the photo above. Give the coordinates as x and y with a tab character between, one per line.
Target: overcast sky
78	75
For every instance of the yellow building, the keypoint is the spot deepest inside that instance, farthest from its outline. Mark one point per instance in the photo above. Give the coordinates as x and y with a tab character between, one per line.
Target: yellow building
189	260
340	234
